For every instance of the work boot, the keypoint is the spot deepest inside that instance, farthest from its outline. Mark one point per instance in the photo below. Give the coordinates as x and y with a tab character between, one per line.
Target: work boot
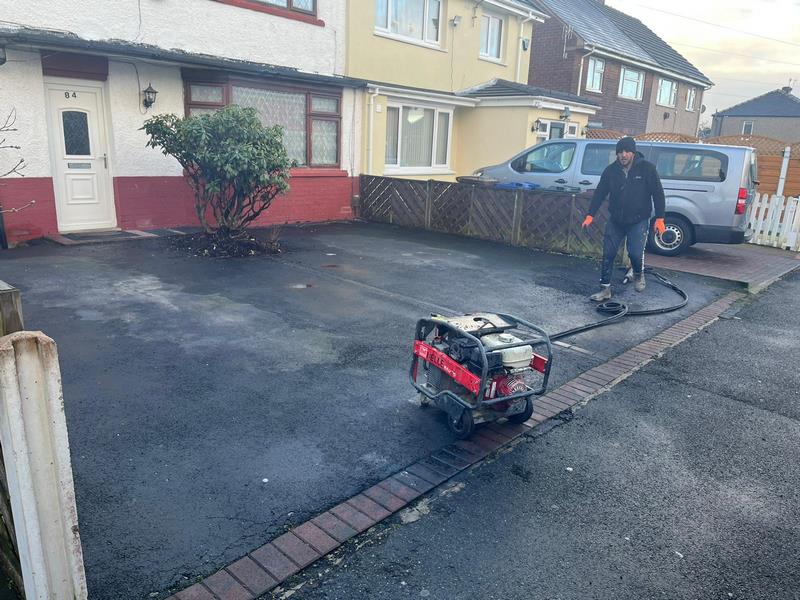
639	282
603	295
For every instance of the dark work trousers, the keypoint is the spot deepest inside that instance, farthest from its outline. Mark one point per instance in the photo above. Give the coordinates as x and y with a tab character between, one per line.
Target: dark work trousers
636	235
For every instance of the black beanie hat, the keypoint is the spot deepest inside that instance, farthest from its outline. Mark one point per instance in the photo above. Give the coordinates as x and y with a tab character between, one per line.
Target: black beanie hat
626	144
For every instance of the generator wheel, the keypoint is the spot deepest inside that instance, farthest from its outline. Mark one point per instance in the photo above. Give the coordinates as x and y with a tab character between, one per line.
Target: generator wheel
524	415
462	427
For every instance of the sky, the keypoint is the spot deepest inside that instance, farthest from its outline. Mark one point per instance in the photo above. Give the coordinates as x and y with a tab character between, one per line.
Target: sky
747	48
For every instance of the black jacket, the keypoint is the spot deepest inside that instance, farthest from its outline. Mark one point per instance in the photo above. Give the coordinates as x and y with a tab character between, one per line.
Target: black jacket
630	199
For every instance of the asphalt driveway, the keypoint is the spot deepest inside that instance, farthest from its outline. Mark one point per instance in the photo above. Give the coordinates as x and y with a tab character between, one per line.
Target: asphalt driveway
212	403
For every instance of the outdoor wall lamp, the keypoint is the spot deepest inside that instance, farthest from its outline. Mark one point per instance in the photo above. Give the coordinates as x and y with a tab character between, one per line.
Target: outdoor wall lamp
149	96
536	124
456	20
566	114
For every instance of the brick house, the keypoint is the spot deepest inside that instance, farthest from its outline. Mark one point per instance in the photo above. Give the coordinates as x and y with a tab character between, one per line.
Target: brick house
640	82
75	72
775	114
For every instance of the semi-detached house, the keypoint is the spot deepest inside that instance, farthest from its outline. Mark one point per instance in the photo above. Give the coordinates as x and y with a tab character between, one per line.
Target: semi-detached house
75	73
446	89
641	83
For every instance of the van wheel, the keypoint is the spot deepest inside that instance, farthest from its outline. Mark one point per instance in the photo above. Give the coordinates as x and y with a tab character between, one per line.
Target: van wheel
677	237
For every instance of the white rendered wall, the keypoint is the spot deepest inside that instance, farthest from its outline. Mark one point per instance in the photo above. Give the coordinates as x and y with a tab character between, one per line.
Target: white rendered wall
197	26
21	87
129	156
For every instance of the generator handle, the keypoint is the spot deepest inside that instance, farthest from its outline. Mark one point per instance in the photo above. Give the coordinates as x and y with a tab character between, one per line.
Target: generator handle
422	333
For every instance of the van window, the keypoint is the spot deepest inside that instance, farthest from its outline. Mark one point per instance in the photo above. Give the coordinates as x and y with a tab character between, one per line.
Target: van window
548	158
691	164
596	157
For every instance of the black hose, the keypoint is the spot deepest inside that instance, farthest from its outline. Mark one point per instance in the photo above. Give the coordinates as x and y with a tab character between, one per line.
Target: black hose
618	310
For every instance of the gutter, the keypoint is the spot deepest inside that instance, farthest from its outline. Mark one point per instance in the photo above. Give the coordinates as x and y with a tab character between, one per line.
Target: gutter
655	68
31	38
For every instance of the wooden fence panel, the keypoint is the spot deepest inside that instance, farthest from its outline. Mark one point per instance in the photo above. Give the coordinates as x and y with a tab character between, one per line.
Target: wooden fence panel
492	214
537	219
450	207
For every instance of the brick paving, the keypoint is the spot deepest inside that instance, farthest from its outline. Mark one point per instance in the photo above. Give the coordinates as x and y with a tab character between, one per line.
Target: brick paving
753	267
266	567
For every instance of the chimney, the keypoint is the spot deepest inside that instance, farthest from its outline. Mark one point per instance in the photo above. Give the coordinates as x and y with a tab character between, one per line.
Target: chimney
786	89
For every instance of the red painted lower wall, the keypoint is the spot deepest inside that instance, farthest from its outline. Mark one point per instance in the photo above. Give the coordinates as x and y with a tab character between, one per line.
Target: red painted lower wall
153	202
35	221
315	195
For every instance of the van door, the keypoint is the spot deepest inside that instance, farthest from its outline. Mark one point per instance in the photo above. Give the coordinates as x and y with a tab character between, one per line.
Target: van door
596	157
547	165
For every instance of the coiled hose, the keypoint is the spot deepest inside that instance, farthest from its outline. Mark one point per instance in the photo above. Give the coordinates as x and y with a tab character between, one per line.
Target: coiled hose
618	310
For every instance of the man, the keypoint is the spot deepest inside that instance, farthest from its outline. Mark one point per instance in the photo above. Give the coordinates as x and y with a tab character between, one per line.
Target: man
634	191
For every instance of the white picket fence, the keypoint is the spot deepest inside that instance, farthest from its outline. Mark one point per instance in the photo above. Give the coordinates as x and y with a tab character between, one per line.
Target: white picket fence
775	221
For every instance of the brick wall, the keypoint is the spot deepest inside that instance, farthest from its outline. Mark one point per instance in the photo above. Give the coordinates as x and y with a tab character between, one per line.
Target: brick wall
548	67
316	195
620	114
156	202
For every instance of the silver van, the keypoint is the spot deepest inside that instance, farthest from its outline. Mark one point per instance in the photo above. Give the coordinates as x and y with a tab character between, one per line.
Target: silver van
707	187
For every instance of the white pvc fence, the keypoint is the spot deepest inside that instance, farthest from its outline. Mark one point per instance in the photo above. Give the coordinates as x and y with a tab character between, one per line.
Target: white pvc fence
775	221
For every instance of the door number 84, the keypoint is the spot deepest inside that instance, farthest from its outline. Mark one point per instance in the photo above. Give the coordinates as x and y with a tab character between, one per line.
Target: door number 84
70	95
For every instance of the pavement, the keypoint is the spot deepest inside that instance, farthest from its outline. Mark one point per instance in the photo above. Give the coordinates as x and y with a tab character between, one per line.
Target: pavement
679	482
750	266
214	404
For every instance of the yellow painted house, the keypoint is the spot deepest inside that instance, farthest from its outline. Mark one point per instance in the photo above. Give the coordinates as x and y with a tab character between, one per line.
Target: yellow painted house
445	91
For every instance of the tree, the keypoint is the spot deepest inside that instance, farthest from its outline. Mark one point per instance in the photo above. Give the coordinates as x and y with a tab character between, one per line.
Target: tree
235	165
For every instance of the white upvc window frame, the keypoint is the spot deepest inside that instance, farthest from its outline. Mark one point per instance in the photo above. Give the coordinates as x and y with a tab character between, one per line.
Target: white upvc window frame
744	126
593	70
673	92
691	98
386	30
489	18
571	129
435	168
640	85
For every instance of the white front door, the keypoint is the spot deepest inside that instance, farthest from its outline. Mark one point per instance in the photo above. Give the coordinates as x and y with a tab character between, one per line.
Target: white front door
79	151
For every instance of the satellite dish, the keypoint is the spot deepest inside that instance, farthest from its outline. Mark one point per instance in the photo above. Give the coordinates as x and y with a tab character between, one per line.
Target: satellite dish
702	108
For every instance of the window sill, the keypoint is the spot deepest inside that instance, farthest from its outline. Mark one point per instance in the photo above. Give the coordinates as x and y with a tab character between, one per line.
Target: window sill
275	10
598	92
629	99
494	61
317	172
666	105
417	171
406	40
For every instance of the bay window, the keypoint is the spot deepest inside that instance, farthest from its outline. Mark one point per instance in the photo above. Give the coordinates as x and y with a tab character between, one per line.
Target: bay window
310	118
414	19
491	36
417	137
667	92
631	84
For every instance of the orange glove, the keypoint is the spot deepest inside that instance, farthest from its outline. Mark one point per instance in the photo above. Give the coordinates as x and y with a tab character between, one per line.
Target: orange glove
587	221
659	226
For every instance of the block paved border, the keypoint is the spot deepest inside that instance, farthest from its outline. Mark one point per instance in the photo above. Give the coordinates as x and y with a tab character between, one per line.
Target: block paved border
264	568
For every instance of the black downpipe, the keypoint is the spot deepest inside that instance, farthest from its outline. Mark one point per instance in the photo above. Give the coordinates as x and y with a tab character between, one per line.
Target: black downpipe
3	238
